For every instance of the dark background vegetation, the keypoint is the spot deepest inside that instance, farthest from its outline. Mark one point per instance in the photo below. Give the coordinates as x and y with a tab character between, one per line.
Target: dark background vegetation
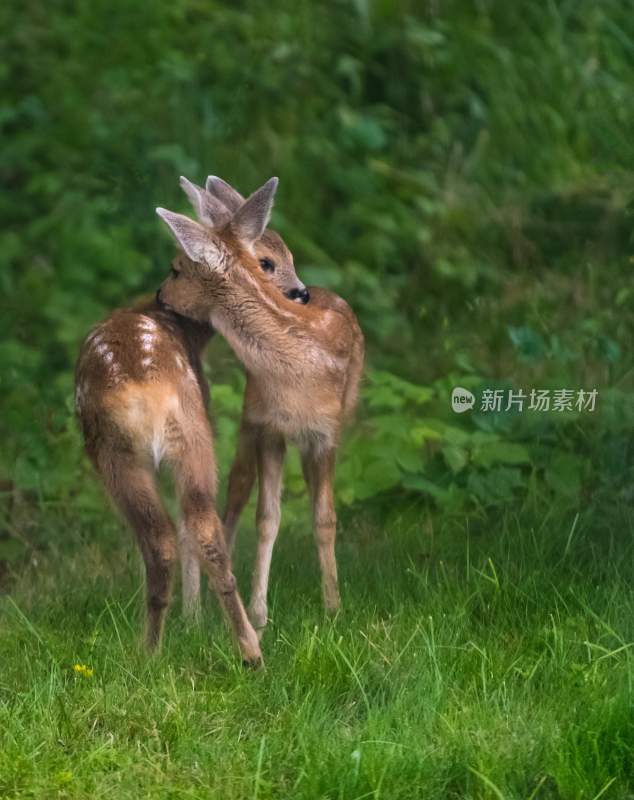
459	171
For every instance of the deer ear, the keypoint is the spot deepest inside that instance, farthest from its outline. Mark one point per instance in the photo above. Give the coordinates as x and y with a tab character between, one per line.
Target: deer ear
208	209
228	196
196	241
192	191
251	219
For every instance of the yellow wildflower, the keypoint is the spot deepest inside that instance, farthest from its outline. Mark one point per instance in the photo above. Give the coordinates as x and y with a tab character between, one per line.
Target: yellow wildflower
83	669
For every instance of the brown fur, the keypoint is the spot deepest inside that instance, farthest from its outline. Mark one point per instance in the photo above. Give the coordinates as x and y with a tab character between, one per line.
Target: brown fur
141	400
310	412
303	363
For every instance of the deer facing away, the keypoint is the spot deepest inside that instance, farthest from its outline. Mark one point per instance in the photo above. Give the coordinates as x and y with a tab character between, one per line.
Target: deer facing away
303	365
141	399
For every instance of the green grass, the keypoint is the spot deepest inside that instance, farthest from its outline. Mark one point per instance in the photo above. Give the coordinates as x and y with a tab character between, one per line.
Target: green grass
468	662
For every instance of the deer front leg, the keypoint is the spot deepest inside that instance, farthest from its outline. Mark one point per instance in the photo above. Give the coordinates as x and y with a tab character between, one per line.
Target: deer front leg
241	480
270	460
319	472
190	572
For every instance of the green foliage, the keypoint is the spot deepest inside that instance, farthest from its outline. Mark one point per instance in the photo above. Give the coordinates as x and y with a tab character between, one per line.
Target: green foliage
460	172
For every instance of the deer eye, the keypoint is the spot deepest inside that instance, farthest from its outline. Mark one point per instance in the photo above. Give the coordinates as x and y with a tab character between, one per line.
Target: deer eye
174	273
267	265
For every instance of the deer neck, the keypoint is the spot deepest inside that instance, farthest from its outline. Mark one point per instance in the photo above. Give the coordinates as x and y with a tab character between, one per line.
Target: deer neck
266	331
196	335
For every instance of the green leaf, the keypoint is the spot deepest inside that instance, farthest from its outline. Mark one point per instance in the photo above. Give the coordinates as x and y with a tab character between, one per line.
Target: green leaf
563	474
496	486
528	343
410	459
424	433
378	476
489	453
419	484
455	457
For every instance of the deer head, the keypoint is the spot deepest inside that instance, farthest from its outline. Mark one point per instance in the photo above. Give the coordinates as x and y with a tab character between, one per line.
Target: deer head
217	250
227	217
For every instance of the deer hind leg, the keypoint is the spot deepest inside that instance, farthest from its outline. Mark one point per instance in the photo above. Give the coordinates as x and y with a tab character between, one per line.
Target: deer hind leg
190	572
319	471
194	472
133	488
270	461
241	480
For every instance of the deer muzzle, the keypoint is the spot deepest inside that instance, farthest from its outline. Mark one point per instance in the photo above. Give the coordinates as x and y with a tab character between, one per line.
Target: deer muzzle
299	295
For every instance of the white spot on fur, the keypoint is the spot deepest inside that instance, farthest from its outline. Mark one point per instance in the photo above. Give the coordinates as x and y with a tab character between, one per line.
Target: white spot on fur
158	448
146	362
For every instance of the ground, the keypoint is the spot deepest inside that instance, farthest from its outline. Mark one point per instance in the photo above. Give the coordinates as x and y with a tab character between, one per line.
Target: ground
471	659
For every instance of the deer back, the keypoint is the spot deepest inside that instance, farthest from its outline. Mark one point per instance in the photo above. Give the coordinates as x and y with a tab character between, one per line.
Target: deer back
136	371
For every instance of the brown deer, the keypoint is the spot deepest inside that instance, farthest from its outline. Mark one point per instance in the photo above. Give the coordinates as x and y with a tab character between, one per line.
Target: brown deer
141	400
303	365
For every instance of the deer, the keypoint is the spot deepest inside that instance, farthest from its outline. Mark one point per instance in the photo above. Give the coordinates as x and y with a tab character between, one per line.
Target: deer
141	399
303	369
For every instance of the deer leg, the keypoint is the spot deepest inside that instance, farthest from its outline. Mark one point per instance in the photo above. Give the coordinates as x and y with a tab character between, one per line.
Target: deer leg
319	471
241	480
190	572
134	490
195	476
270	462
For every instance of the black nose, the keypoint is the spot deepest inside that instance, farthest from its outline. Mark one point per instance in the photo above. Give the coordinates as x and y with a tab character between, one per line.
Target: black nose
303	295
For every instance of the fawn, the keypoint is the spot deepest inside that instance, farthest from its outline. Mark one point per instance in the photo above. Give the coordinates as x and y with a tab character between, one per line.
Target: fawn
141	399
303	365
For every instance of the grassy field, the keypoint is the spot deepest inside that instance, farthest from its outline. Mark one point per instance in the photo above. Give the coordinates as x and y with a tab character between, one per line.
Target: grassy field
472	659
